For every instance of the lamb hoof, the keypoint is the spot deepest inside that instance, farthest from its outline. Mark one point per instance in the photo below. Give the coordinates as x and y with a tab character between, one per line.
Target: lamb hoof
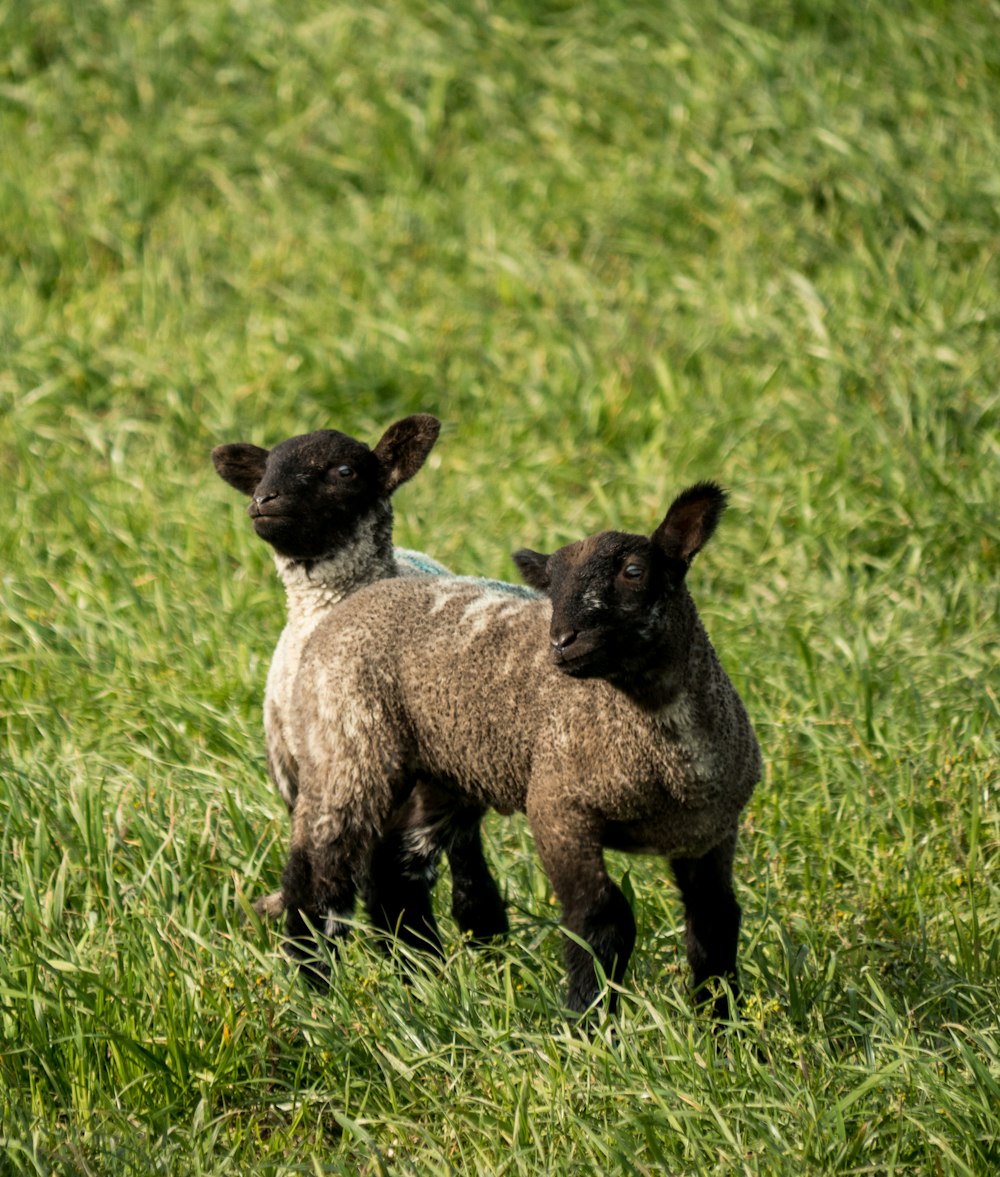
483	922
488	933
712	997
312	970
269	907
582	1003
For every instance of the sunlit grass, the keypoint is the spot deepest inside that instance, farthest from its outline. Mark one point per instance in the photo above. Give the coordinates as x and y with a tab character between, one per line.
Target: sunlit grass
615	248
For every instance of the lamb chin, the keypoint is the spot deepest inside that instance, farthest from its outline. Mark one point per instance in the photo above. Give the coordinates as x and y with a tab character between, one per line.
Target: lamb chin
583	667
270	527
281	533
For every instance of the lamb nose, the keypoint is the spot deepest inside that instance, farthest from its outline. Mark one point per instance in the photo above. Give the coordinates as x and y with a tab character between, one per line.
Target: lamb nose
265	498
561	640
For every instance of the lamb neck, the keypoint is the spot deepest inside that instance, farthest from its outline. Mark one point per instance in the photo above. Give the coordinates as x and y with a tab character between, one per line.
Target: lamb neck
314	586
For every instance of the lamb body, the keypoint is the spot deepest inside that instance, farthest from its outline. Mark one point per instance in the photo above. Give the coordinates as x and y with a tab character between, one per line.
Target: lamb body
603	714
468	696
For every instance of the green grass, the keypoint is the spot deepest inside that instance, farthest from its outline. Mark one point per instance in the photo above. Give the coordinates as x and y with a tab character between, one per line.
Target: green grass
616	247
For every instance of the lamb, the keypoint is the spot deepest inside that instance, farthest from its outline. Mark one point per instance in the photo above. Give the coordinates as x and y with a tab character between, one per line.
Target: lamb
602	712
322	501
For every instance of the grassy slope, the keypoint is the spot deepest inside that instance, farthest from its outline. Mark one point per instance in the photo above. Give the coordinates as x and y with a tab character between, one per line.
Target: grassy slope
616	247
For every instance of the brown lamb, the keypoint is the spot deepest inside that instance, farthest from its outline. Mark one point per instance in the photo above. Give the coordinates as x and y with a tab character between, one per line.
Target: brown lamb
601	712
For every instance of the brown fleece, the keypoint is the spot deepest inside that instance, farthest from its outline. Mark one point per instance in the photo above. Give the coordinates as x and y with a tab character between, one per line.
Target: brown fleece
438	679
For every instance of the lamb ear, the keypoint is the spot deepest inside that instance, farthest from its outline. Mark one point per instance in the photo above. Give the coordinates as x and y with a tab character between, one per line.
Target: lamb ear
689	523
533	567
241	465
404	447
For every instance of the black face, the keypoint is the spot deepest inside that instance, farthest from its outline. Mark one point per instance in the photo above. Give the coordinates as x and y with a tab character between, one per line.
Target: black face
608	595
311	492
619	607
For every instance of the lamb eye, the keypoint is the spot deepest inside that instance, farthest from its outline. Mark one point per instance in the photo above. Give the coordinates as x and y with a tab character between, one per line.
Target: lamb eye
633	572
344	472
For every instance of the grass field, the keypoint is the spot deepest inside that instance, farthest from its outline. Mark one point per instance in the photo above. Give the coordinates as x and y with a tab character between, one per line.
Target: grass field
616	246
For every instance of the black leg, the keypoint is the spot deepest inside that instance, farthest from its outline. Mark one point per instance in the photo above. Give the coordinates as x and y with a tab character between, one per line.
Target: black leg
308	916
404	869
476	902
594	908
398	894
712	920
351	781
331	850
607	924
